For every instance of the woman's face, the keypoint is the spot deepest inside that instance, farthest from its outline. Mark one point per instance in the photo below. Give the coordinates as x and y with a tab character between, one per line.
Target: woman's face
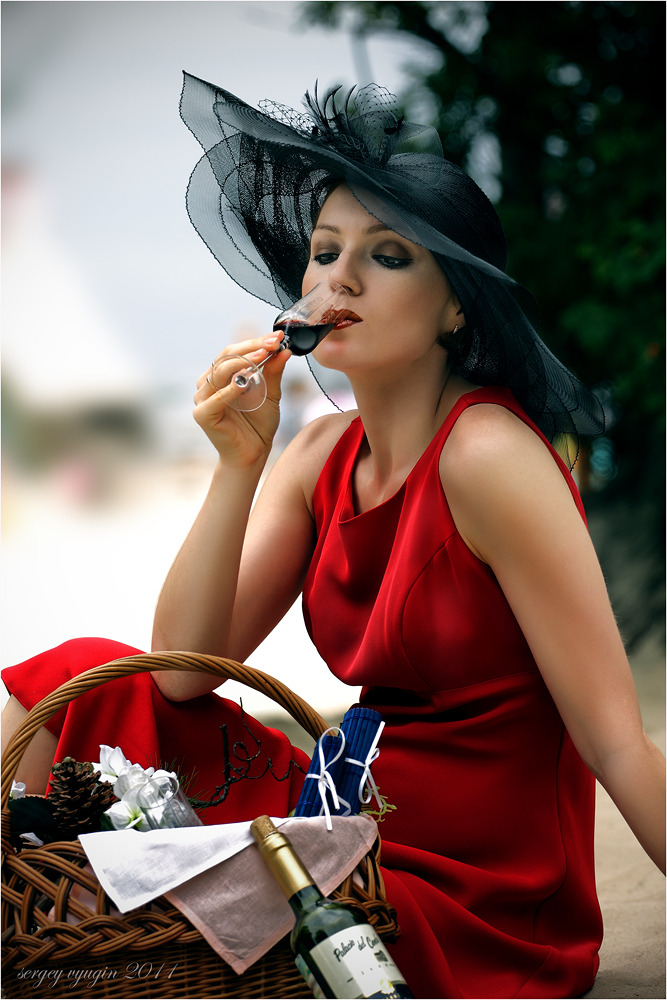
397	288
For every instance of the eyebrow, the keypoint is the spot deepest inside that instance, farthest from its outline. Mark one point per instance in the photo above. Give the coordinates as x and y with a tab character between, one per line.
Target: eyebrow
377	228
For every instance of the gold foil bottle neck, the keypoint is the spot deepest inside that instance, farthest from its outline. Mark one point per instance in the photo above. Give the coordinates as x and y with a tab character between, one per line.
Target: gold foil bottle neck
284	863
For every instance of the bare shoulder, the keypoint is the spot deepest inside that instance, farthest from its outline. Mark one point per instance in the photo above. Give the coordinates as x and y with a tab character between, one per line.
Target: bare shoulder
500	480
314	442
324	432
306	454
487	443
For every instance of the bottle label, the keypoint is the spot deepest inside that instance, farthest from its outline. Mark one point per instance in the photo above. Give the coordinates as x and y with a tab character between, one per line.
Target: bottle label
355	964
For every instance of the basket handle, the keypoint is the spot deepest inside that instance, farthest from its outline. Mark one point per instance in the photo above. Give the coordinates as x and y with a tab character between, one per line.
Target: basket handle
300	710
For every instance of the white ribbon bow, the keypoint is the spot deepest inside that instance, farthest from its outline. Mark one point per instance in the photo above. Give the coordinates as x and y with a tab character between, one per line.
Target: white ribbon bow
325	781
366	793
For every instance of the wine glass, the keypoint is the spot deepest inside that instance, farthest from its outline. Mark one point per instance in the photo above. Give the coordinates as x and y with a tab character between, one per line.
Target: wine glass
165	805
305	325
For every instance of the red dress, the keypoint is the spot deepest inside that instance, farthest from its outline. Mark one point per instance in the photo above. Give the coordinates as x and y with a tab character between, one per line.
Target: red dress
489	853
488	856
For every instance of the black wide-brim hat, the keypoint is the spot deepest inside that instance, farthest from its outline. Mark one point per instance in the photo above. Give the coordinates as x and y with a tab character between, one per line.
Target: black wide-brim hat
256	193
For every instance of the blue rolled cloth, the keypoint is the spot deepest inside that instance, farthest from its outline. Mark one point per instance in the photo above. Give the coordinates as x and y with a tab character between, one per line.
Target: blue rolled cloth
362	728
323	773
342	762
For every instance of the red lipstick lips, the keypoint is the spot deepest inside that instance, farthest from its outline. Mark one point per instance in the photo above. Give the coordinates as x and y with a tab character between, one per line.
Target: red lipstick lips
343	318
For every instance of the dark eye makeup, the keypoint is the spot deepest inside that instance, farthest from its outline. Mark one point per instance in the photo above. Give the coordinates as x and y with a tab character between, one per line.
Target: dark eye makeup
391	262
385	260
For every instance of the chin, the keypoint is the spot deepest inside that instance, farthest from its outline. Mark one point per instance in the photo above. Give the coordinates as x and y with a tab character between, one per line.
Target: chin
330	353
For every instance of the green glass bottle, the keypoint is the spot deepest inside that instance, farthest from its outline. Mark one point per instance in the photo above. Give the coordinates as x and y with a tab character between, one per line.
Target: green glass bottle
337	952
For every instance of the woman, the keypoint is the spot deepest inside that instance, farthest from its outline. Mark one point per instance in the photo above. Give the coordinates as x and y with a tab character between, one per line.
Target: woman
436	536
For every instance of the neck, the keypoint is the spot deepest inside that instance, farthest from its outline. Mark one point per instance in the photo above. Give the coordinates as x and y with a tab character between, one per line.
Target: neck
400	418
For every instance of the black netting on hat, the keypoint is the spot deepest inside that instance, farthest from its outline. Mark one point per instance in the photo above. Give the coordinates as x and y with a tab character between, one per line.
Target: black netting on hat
509	353
255	194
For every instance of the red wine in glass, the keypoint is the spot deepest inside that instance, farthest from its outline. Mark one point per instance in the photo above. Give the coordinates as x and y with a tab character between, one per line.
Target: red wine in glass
305	325
302	338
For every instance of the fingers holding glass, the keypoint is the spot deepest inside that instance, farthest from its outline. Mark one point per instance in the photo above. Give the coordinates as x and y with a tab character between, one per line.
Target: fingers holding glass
243	375
239	373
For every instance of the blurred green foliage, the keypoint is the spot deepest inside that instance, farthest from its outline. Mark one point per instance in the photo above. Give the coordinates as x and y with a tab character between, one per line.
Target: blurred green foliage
557	109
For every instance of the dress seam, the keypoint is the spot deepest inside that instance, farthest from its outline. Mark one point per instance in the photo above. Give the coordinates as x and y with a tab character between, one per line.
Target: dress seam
405	603
408	658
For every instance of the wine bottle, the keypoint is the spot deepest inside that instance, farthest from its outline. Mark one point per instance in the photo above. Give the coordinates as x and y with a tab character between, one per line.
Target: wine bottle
337	952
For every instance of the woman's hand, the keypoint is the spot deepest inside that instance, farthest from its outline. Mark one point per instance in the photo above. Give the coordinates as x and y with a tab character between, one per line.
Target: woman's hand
241	438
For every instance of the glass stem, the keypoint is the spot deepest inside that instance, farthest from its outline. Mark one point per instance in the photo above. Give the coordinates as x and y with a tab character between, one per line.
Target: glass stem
282	347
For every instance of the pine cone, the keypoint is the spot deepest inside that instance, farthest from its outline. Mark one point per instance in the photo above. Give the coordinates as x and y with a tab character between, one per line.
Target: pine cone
78	798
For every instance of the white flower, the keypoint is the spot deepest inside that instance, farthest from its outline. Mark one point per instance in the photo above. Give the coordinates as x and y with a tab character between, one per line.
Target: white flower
112	764
135	777
129	781
161	774
127	813
18	790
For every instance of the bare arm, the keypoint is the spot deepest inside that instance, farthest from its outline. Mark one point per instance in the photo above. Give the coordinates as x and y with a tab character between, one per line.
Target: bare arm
239	572
515	511
195	607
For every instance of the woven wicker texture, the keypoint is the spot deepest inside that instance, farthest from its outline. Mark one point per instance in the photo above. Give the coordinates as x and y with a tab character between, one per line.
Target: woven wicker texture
61	935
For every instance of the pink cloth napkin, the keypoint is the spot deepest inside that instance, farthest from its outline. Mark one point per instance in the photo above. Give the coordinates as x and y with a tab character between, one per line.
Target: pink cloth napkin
237	906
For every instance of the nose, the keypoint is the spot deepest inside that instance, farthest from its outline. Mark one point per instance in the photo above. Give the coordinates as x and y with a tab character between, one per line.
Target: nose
346	271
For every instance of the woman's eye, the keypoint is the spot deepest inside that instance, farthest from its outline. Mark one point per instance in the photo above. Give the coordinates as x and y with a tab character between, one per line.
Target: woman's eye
325	258
387	261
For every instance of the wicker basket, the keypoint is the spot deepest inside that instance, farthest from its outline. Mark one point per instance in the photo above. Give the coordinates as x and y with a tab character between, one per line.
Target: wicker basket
152	951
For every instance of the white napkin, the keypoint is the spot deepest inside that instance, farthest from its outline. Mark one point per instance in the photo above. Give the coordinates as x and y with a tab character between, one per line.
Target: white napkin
217	878
134	867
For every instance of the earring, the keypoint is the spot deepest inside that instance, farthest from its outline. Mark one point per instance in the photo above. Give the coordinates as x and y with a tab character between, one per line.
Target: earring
451	341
